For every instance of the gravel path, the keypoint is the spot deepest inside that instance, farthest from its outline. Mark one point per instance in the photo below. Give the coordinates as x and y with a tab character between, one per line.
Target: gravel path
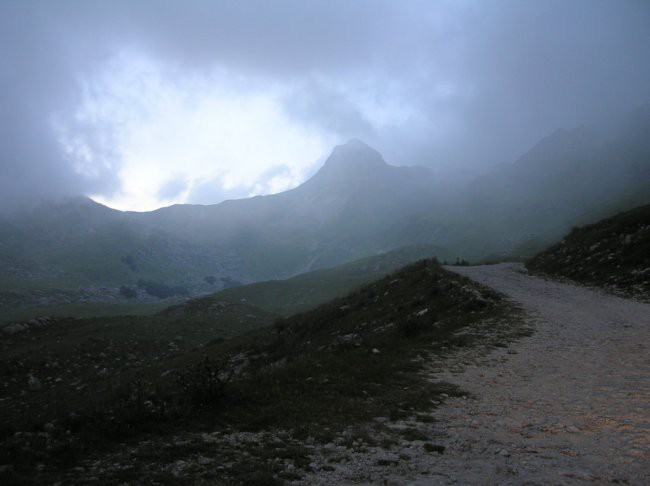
569	405
572	405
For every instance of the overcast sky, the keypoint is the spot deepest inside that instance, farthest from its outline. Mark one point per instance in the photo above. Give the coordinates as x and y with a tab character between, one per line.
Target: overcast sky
141	104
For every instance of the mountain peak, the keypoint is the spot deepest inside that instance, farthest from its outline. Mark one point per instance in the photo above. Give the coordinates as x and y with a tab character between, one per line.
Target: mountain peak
354	156
354	144
349	166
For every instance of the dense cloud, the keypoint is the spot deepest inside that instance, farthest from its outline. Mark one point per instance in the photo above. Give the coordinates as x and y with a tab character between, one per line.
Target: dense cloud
443	84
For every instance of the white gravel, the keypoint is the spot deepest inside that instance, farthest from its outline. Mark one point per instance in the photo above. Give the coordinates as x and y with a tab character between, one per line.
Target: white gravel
569	405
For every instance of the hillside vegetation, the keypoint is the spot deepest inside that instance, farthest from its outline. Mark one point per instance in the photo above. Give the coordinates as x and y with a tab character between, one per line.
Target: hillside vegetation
613	253
306	291
235	310
319	376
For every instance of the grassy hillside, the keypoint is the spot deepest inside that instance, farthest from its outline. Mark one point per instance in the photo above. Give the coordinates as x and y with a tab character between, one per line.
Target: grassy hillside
281	297
305	291
315	377
602	210
87	310
613	253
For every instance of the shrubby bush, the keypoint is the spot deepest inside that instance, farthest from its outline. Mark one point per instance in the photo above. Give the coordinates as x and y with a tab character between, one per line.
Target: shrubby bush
129	261
161	290
128	292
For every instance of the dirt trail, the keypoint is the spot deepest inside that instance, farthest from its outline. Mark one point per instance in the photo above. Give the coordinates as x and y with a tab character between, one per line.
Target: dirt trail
572	405
569	405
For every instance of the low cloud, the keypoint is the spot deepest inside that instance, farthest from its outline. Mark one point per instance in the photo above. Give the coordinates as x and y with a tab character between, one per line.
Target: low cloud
116	99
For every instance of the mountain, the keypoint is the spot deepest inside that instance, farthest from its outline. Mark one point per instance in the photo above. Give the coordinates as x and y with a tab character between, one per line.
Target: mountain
613	253
355	206
76	250
571	177
73	250
347	210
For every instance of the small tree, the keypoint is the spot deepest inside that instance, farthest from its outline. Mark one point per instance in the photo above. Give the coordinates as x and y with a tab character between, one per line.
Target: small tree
128	292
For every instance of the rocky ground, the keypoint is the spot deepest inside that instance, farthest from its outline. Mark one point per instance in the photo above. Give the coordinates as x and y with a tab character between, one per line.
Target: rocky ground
569	405
613	253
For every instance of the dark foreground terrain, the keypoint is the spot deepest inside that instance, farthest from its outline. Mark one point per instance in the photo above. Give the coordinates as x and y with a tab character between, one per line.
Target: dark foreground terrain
116	400
569	405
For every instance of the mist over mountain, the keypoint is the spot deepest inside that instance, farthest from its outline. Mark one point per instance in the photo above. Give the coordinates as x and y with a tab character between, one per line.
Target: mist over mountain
356	205
573	176
347	210
344	211
148	104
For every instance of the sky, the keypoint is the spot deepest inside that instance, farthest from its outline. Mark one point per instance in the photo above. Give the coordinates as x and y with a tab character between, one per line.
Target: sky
141	104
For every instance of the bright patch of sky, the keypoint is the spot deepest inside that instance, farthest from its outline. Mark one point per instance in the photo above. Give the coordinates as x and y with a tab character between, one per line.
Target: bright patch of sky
187	137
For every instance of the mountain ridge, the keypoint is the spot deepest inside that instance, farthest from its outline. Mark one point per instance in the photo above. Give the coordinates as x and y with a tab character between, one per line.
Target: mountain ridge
338	215
560	180
355	206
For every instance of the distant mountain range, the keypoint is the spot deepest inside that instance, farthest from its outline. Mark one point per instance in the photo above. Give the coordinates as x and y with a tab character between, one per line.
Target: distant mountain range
356	205
570	177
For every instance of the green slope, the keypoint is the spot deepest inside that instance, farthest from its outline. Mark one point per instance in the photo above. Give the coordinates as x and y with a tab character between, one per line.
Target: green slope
305	291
